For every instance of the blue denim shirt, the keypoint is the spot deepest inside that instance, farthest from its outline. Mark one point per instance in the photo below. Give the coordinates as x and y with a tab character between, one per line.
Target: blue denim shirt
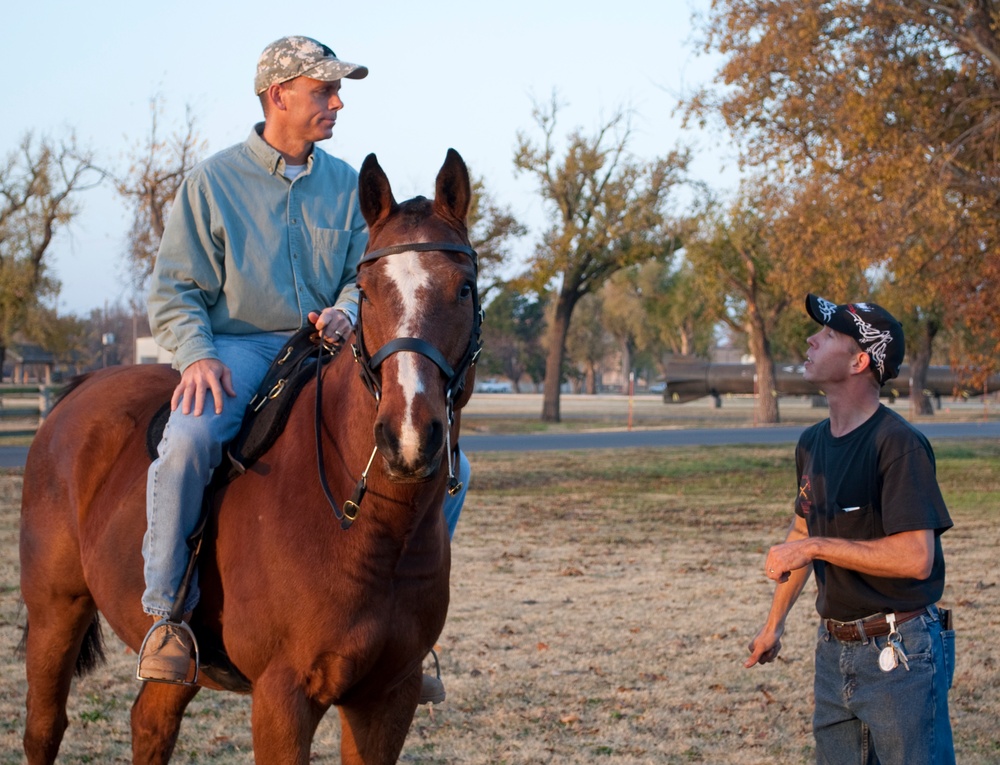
246	250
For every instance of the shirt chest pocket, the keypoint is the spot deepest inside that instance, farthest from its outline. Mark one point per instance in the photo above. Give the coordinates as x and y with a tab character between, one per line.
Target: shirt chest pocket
329	254
853	521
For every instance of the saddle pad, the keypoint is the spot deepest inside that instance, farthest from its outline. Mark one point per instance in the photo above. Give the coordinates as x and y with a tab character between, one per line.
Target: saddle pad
154	433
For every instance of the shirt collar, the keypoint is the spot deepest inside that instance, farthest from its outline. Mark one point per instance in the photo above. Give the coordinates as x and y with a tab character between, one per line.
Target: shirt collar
269	157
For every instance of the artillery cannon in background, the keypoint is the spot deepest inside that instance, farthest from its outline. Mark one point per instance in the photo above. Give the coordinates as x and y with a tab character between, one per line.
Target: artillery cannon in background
693	378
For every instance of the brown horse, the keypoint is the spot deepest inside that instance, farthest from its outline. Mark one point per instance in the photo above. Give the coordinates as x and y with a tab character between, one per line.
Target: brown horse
311	614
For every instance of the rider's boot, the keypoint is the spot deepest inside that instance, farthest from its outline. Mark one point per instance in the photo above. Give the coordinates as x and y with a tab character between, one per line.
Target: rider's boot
169	653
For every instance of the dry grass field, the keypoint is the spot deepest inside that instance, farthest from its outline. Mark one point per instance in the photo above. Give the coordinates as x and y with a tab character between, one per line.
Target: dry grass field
601	606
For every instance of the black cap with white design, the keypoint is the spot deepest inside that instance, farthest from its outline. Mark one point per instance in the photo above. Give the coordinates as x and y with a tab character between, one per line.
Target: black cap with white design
874	328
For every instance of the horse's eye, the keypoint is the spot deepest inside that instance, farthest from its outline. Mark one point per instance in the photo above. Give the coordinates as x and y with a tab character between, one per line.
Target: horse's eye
466	292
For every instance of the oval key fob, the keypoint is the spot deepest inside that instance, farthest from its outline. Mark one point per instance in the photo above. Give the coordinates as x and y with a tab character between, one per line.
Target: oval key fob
887	659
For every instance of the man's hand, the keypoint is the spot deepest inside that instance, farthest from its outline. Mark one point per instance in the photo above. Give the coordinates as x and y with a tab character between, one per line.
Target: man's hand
332	324
764	647
204	375
787	557
789	564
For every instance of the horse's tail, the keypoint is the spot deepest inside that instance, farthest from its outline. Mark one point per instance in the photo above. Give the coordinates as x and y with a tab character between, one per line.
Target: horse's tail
91	654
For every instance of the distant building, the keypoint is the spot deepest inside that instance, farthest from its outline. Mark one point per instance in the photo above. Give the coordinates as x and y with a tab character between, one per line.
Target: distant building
30	363
148	352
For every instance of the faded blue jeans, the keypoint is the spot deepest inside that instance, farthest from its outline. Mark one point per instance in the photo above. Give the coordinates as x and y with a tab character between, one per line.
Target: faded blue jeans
453	505
865	716
190	451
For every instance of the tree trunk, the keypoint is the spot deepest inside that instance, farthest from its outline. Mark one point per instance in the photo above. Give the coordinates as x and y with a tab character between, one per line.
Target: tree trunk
554	358
767	392
766	403
920	360
628	353
590	379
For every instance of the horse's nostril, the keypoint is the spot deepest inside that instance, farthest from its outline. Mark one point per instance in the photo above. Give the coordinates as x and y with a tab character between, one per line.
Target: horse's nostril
386	440
435	438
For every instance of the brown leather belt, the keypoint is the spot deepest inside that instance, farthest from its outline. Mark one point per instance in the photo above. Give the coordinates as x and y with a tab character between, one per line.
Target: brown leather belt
872	626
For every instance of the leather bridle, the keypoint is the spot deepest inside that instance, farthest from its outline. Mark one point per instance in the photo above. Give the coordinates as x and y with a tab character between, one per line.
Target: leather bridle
455	377
371	377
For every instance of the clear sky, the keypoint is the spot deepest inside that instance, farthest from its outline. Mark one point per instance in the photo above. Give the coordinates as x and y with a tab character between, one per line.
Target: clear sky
443	73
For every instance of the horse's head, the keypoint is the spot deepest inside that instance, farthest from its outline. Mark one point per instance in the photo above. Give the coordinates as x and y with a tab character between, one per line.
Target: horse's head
418	318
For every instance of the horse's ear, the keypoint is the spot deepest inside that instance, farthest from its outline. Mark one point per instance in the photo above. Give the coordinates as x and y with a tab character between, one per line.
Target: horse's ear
453	192
374	192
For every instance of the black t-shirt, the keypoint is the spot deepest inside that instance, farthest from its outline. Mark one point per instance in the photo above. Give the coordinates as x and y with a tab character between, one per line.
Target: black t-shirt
877	480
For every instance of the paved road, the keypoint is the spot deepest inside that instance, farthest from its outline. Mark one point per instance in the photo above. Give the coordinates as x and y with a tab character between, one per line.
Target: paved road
693	437
13	456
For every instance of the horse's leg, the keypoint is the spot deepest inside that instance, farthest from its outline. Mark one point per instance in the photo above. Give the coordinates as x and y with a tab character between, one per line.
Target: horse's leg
373	731
156	720
283	719
56	630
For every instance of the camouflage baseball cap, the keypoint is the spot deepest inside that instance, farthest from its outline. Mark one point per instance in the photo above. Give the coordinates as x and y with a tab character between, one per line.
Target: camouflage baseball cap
298	56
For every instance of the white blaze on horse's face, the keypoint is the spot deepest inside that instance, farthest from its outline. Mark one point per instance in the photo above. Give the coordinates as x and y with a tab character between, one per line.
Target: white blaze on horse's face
408	271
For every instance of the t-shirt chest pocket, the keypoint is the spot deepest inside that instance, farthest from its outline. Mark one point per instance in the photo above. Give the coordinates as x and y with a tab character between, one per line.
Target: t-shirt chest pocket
853	521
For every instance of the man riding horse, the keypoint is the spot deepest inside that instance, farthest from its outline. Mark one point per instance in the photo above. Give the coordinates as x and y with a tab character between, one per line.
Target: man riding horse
263	237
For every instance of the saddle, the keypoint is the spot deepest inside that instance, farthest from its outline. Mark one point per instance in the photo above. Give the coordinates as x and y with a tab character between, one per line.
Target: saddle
268	410
264	420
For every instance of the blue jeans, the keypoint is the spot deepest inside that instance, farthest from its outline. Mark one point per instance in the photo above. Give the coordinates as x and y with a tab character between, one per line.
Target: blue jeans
865	716
453	505
190	451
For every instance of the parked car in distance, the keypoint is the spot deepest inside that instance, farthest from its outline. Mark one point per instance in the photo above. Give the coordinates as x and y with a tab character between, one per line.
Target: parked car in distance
494	386
657	387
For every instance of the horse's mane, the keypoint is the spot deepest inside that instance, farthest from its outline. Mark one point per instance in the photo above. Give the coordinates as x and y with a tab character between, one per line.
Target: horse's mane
408	216
415	209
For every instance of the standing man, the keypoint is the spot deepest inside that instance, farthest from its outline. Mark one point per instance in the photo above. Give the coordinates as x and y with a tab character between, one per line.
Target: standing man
868	519
262	238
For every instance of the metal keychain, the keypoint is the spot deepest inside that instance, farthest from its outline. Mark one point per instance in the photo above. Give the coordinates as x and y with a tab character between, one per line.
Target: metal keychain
893	654
887	659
